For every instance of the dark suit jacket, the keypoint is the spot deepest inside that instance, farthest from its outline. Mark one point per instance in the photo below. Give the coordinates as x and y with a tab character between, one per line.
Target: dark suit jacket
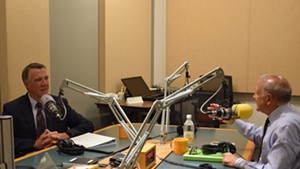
24	126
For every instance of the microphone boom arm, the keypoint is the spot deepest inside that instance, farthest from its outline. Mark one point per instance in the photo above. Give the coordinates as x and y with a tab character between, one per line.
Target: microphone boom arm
140	137
110	100
157	108
177	72
165	119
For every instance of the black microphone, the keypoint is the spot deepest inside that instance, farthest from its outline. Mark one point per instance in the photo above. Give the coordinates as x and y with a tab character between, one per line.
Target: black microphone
50	105
222	112
242	111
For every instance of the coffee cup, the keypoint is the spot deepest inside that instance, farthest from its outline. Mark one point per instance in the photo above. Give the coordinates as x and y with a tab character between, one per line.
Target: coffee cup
179	145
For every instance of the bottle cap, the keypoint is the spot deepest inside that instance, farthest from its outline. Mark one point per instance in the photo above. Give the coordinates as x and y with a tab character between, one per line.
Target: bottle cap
188	116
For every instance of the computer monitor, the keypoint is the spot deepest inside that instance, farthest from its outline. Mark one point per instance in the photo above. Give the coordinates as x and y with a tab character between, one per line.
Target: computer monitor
7	154
223	97
195	101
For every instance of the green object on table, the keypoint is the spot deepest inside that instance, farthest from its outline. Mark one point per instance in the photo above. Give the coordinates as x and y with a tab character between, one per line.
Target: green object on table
197	155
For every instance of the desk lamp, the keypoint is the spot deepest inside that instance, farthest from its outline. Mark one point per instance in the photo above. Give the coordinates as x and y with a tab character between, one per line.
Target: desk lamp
139	138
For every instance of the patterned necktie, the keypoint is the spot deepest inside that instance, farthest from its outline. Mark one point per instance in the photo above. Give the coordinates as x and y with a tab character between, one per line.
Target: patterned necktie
40	120
264	133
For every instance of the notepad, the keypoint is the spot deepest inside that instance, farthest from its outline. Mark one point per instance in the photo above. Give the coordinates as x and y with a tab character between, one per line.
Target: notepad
89	140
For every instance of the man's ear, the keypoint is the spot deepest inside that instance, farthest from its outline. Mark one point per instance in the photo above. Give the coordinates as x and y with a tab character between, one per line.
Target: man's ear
25	83
269	99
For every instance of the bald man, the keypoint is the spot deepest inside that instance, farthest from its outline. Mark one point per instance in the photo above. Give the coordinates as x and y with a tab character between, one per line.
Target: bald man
279	141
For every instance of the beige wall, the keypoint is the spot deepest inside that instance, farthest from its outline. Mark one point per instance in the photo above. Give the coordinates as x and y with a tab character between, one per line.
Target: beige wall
3	54
127	42
209	34
27	40
245	38
274	40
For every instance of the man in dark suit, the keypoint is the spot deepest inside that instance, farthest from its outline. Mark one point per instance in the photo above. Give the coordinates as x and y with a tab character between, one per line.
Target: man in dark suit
23	110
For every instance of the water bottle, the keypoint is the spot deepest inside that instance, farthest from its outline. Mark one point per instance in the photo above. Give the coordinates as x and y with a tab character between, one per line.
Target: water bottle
188	127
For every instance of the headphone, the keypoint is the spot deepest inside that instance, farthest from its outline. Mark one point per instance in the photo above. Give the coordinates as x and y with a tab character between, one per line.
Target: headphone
67	146
222	147
116	160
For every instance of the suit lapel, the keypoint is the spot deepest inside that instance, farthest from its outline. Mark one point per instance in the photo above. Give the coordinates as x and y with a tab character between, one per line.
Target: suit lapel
28	114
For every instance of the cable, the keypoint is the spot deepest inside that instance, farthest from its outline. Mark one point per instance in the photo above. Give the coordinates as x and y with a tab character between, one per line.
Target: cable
201	166
160	135
212	96
24	167
61	106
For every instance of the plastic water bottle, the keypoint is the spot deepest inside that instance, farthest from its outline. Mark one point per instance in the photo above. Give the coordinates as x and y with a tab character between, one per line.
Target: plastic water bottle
189	127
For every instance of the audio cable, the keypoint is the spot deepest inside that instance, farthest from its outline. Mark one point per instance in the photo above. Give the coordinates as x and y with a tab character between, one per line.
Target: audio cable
201	166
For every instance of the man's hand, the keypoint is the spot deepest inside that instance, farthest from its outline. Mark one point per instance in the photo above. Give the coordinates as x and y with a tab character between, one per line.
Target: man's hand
229	159
60	136
49	138
214	106
43	141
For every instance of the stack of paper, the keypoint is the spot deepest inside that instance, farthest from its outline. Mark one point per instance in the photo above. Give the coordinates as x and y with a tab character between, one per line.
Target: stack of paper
89	140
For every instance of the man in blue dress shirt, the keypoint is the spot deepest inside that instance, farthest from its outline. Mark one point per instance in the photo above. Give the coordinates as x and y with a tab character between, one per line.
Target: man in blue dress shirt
280	145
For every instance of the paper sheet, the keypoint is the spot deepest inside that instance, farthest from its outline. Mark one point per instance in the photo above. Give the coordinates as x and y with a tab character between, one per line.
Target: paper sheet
91	139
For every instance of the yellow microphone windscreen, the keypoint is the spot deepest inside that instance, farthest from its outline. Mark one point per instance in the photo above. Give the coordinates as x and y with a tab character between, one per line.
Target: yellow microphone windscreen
243	111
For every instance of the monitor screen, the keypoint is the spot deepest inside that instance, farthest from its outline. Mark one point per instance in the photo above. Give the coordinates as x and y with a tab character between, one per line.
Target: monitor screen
223	97
136	86
194	102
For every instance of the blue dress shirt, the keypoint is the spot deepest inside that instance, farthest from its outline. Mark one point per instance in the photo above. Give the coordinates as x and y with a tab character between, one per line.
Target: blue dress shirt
281	143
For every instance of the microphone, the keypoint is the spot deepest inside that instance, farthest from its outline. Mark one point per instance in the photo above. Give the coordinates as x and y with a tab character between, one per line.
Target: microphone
50	105
237	111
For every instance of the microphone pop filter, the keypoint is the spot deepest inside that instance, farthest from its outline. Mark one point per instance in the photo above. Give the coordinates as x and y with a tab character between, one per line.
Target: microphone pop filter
243	111
50	105
46	98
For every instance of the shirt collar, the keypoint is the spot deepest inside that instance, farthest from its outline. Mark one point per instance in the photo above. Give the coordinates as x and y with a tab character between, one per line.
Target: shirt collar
279	110
32	101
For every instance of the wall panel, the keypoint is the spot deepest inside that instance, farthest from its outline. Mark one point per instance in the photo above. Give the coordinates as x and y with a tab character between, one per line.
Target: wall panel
245	38
275	40
209	34
26	40
127	41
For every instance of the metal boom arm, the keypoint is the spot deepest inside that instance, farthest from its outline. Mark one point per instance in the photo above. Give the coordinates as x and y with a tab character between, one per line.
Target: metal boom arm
106	98
157	108
140	137
165	117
